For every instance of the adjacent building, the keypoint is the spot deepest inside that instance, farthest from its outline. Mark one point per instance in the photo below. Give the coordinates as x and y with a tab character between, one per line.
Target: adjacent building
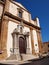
45	47
19	34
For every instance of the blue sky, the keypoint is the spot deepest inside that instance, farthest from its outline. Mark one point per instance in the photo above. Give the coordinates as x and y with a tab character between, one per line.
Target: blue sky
39	8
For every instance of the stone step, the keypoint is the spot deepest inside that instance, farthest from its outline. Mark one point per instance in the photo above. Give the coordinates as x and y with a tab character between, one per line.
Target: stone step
14	57
28	56
13	62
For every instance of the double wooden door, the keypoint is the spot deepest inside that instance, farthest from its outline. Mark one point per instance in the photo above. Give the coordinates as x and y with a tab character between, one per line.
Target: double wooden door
22	45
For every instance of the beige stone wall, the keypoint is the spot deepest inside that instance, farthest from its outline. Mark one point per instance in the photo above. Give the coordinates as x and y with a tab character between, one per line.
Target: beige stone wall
32	43
9	24
13	9
45	47
39	40
26	16
33	22
35	41
4	38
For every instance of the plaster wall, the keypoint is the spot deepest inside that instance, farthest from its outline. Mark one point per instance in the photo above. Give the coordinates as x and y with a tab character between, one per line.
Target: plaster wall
36	47
11	27
13	9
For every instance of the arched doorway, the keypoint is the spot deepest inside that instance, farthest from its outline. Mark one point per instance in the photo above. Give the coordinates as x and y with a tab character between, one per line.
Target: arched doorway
22	45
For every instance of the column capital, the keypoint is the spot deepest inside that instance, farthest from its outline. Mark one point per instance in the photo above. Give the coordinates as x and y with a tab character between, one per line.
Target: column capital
15	32
27	34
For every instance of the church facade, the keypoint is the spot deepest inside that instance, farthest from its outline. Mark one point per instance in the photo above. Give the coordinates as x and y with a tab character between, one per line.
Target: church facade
19	34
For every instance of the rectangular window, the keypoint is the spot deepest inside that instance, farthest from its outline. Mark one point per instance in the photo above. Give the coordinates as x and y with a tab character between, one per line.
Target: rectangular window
20	14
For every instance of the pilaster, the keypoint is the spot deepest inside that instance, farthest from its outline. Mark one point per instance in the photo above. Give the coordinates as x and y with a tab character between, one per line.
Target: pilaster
4	37
32	42
15	55
27	39
39	40
15	42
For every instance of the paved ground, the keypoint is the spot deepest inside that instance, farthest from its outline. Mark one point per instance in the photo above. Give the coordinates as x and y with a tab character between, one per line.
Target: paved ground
43	61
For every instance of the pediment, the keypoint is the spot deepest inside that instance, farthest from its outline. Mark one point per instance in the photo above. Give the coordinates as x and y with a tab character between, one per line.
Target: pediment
20	5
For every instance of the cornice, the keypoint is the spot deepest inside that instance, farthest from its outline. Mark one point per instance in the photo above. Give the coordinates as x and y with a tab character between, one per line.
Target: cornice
19	6
20	19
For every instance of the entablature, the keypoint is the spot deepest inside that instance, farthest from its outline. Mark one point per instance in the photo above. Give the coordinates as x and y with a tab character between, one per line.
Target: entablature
20	19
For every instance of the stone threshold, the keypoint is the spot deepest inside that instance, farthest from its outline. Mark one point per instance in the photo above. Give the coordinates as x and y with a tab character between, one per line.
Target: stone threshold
13	62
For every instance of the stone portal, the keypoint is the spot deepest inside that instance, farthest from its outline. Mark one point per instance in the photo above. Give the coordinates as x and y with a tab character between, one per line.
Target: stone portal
22	45
20	42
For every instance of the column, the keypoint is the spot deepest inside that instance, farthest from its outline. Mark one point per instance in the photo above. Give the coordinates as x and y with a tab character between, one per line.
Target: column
15	43
15	55
36	46
28	49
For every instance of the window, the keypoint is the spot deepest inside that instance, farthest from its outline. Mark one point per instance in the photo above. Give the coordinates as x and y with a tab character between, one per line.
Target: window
20	14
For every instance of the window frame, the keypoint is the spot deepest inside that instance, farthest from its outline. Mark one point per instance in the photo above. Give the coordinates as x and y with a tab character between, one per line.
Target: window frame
20	11
20	14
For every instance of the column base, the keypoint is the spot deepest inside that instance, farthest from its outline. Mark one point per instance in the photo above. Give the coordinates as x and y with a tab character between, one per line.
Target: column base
14	57
14	50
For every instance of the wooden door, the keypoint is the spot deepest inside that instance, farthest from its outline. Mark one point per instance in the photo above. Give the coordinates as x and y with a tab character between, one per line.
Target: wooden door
22	45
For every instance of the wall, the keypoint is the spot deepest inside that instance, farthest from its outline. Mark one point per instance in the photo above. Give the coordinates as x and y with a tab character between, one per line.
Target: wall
11	27
27	29
13	9
36	46
36	22
26	16
39	40
45	47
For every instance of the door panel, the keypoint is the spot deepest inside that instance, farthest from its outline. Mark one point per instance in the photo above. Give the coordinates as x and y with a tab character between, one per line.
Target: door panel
22	45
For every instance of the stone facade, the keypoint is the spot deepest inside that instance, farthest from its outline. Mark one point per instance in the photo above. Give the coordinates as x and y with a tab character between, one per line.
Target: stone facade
45	47
16	22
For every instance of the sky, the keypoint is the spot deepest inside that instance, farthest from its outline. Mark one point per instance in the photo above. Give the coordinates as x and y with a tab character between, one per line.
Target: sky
40	9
